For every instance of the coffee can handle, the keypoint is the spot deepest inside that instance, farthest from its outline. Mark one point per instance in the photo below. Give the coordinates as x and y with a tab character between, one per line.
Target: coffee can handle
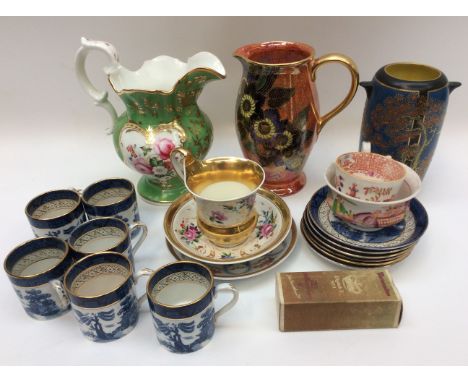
226	287
137	277
59	289
142	237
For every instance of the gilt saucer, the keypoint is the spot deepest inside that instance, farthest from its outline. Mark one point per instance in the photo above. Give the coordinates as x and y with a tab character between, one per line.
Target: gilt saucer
336	258
273	226
249	268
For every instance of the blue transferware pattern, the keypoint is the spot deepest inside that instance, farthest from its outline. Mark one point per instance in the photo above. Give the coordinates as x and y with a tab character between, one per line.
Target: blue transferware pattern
110	324
107	316
185	328
125	209
131	216
99	228
61	233
185	335
39	293
61	226
398	236
41	302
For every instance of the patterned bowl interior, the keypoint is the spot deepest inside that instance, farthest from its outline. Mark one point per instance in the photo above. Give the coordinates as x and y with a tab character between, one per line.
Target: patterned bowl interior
371	166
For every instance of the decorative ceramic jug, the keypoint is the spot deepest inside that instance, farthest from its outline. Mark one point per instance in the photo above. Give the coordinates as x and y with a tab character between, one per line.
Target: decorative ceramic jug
161	113
404	112
277	109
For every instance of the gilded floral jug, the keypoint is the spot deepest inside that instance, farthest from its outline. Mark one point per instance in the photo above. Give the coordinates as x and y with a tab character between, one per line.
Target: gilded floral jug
277	111
161	113
404	112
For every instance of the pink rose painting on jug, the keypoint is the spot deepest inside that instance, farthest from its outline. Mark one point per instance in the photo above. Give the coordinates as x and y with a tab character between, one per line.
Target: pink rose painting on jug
148	152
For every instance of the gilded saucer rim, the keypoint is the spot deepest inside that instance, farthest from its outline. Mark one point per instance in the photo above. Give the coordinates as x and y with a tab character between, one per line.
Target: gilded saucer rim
287	252
269	195
347	256
350	258
312	231
319	244
350	263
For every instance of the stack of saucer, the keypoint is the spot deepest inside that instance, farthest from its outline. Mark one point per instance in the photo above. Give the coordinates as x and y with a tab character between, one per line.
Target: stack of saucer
272	241
340	242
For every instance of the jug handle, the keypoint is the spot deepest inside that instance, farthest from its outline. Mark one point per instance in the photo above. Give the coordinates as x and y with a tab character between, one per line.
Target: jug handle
352	67
100	97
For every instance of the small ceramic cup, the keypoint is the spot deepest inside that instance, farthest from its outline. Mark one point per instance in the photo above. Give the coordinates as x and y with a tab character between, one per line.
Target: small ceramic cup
114	197
226	215
35	269
105	234
55	213
102	293
180	297
367	215
369	176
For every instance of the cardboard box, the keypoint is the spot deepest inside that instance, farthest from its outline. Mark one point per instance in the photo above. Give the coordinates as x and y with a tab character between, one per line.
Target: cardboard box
359	299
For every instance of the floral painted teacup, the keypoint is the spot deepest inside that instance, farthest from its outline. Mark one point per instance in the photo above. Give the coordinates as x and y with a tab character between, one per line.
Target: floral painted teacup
369	176
367	215
224	191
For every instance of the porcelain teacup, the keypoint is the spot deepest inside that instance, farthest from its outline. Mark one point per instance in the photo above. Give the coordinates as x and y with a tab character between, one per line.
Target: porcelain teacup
181	298
35	269
55	213
224	190
367	215
105	234
369	176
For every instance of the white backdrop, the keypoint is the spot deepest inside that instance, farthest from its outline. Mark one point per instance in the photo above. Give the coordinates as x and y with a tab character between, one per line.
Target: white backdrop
53	137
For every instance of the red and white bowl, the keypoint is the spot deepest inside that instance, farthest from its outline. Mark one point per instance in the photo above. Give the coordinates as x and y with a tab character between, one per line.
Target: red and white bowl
369	176
372	215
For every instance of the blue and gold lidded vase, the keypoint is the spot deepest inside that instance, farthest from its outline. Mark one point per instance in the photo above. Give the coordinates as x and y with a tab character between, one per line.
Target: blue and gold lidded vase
404	112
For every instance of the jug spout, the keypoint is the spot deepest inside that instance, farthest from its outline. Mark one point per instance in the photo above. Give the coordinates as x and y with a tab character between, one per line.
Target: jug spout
452	85
368	86
165	75
204	63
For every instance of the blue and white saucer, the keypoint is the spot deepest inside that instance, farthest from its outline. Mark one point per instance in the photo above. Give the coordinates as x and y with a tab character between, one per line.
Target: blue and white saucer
399	236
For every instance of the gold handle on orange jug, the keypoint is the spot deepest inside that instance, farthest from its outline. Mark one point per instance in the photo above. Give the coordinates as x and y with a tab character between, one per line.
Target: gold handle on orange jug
351	66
